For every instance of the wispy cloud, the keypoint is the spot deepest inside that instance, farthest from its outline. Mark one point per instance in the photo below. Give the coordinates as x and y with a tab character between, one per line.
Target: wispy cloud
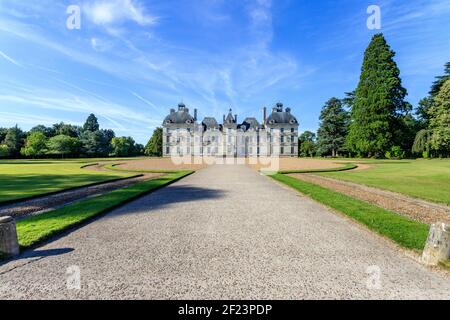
111	12
9	59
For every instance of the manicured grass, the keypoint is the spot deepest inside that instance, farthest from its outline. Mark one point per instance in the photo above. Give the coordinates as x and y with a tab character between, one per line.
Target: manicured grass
115	167
20	179
424	179
35	229
406	232
345	167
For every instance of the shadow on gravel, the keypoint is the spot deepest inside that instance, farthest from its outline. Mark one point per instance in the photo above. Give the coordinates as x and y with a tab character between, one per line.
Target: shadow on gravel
45	253
171	195
40	254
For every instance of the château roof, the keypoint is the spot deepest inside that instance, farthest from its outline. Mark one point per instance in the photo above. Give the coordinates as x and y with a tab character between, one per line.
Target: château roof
250	123
181	116
279	116
210	123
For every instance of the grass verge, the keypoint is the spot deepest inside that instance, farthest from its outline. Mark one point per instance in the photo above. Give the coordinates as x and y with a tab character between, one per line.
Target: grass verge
346	167
35	229
114	167
405	232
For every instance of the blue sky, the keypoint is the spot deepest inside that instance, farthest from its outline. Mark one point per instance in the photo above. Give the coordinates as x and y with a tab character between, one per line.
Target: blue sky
133	60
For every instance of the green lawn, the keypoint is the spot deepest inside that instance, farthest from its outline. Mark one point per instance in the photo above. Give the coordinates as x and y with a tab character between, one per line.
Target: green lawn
35	229
406	232
21	179
425	179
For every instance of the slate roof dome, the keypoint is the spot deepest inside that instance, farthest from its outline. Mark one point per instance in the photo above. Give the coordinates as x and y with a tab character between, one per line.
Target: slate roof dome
279	116
250	123
181	116
210	123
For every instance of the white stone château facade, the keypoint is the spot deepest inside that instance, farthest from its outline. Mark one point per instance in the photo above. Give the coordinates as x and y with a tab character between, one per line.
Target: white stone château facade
276	136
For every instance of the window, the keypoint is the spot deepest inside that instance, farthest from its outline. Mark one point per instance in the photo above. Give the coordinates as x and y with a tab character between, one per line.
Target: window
282	130
167	150
282	150
292	150
282	139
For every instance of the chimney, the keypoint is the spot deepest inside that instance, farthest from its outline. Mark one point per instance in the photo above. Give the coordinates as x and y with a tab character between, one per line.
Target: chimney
172	110
195	114
223	118
235	118
288	110
264	119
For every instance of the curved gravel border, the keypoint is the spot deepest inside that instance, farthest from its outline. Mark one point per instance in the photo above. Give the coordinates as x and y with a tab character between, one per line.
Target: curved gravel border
416	209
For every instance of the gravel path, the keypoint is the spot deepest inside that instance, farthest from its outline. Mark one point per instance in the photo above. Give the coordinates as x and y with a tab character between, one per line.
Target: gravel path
224	232
38	205
417	209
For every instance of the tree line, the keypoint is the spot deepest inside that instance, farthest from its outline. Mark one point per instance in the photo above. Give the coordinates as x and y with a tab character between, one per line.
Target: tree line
68	141
375	120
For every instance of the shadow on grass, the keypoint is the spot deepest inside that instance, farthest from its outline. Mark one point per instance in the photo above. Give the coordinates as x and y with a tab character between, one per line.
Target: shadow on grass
20	187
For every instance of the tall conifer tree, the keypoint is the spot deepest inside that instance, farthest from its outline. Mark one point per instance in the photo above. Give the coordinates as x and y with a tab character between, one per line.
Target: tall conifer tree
379	101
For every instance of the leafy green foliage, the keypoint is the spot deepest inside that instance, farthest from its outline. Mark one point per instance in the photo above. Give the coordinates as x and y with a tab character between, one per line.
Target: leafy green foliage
307	144
440	80
154	147
4	151
379	101
422	142
35	145
91	123
123	147
333	128
63	145
440	120
14	140
396	152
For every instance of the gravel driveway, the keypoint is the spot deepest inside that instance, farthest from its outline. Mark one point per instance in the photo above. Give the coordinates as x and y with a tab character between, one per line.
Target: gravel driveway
224	232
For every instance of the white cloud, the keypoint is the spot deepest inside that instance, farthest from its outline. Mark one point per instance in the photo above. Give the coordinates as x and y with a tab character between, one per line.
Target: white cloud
100	45
109	12
9	59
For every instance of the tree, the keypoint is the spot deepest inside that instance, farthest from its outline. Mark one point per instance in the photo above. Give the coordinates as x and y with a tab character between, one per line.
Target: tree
349	100
95	143
14	140
4	151
307	144
379	101
154	147
423	109
91	123
440	80
35	145
440	120
63	145
423	112
333	128
422	143
66	129
47	131
3	132
123	147
139	149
